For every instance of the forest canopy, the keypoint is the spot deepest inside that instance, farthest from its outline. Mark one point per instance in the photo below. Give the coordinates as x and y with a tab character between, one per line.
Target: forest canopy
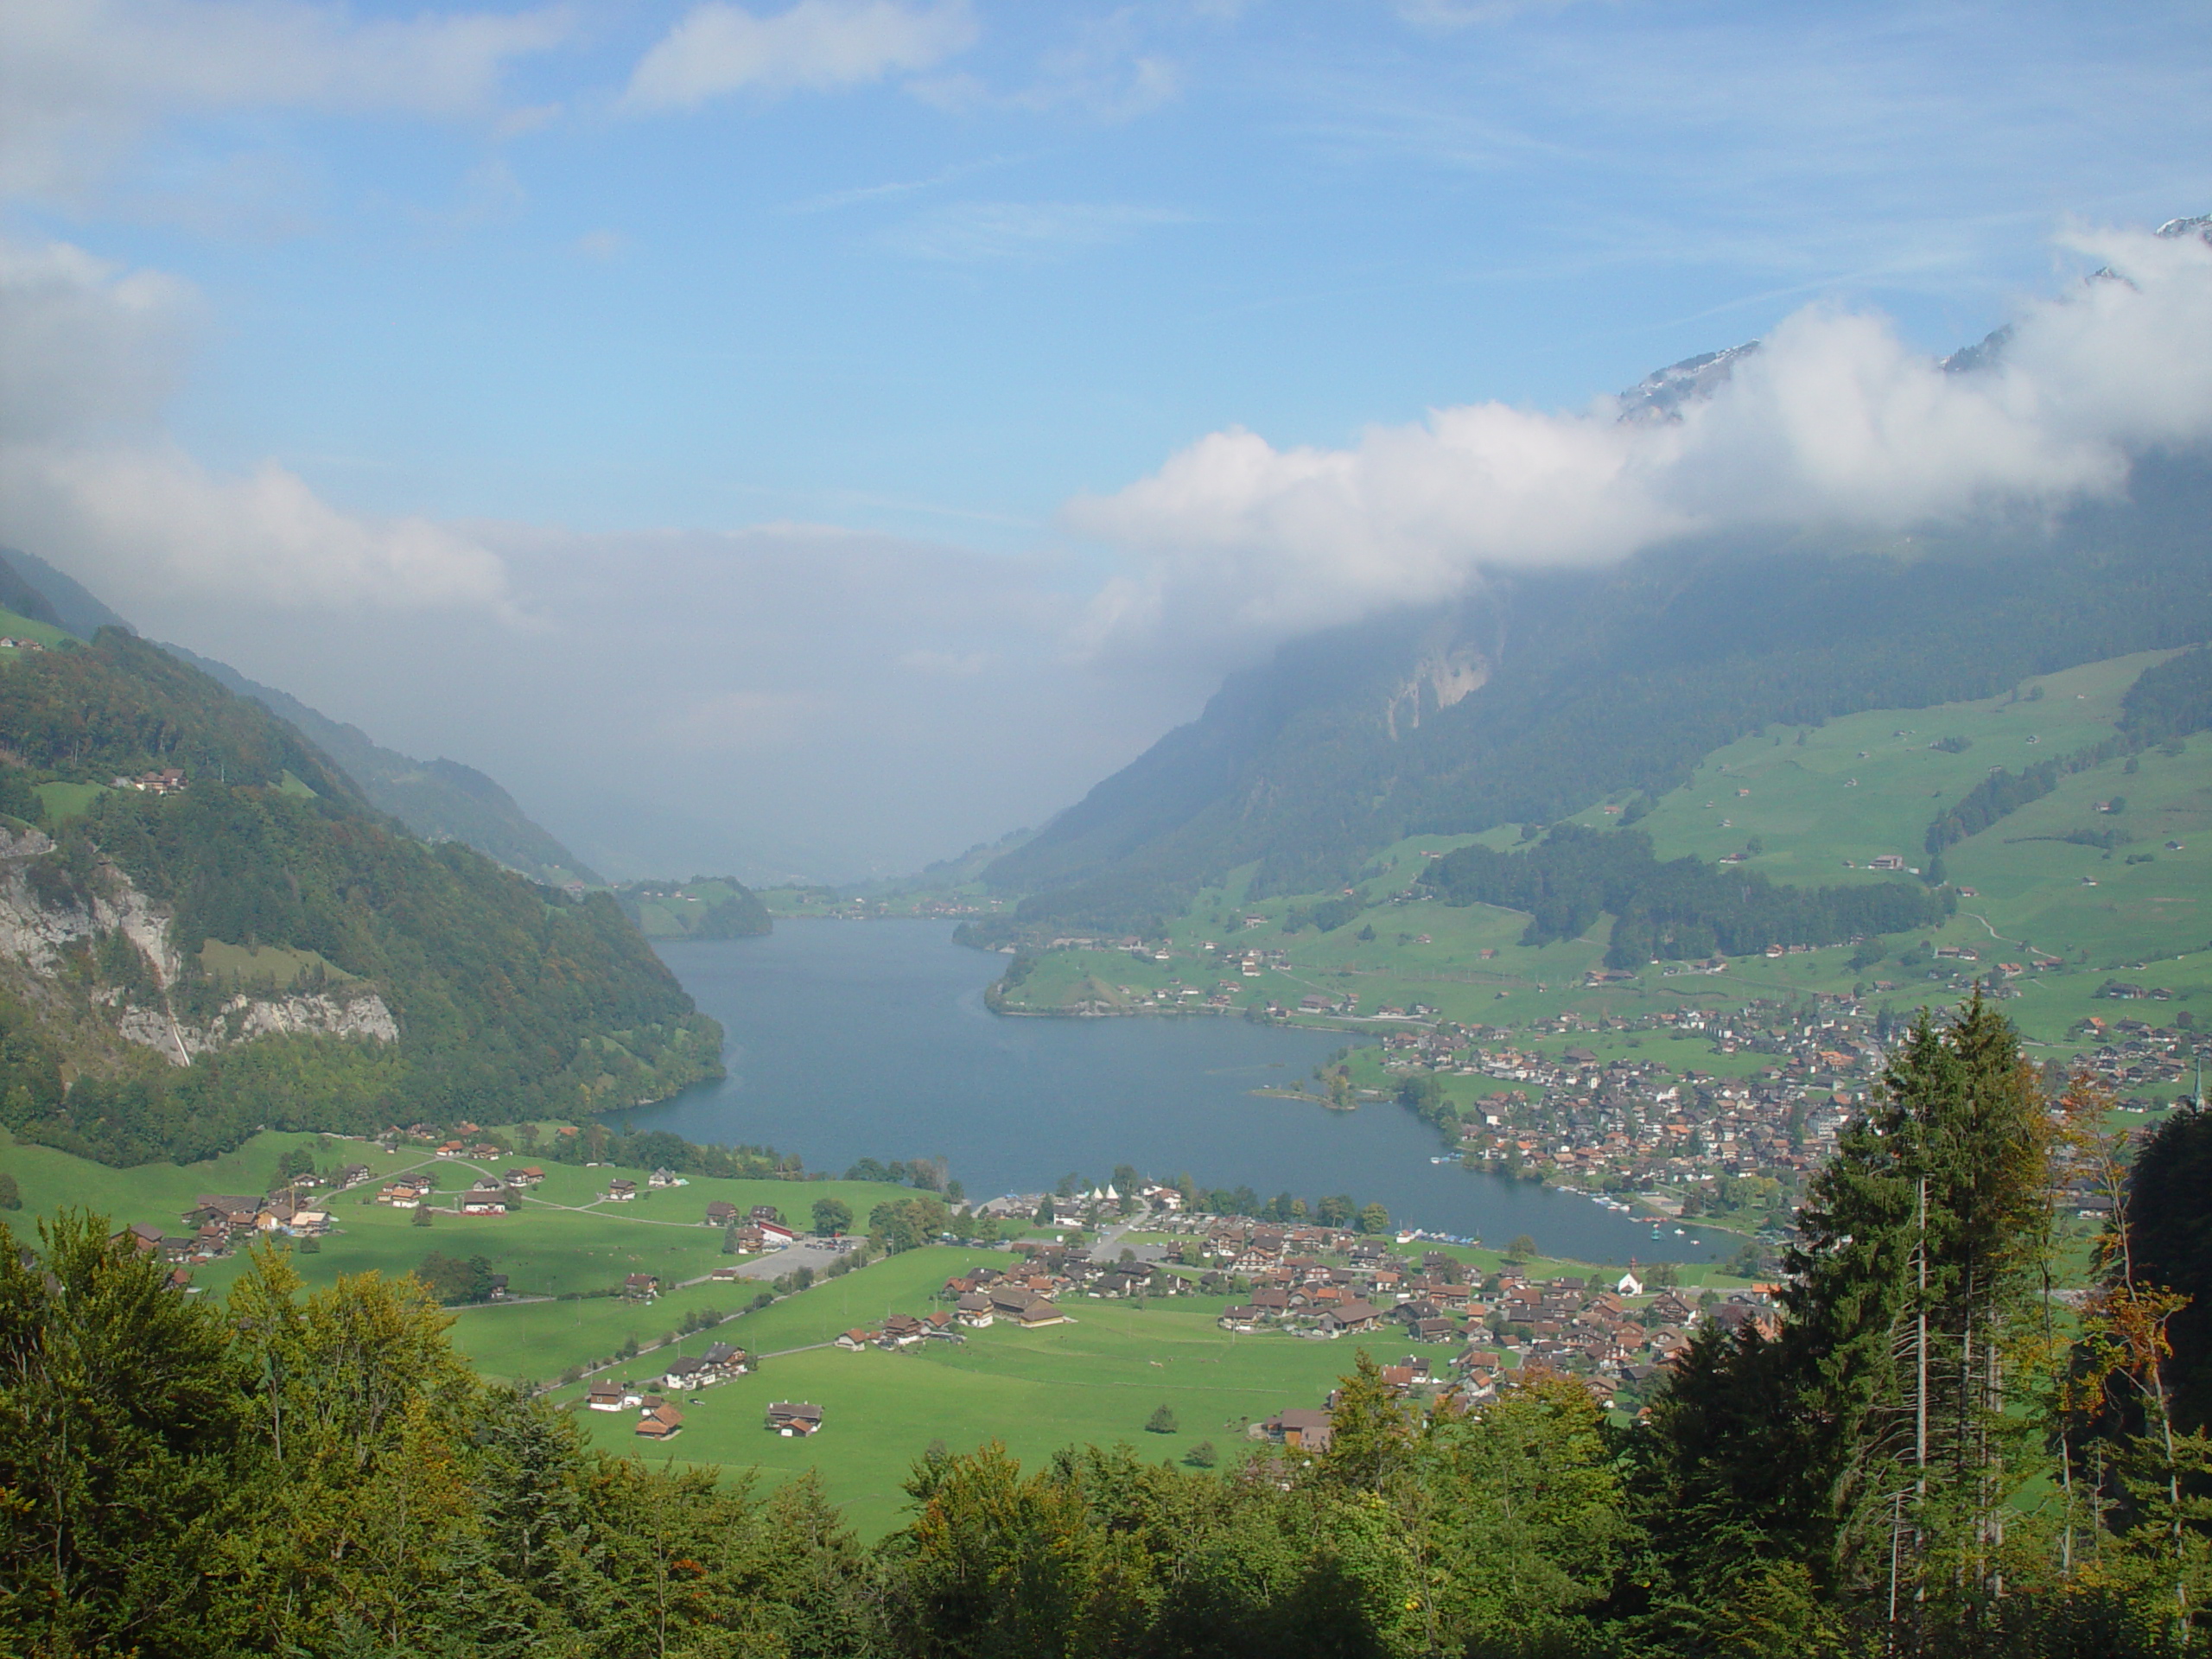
1682	908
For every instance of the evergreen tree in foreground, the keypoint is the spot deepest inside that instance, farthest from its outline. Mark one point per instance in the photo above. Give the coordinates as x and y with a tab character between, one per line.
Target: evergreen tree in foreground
1855	1470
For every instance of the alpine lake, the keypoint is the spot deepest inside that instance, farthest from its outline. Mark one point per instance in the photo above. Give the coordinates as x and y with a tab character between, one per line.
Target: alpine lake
871	1040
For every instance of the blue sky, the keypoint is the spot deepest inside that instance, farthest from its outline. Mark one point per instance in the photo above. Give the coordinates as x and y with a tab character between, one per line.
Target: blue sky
736	330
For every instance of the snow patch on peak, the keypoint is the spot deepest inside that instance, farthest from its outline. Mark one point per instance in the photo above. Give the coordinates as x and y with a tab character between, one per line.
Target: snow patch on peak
1659	397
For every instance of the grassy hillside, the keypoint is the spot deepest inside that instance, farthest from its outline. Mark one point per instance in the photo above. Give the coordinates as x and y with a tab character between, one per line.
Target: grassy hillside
705	908
16	624
1548	691
1813	805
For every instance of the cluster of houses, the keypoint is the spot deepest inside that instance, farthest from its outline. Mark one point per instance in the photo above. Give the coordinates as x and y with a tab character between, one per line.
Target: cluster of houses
167	781
720	1362
1099	1203
1615	1333
659	1417
2144	1064
10	642
1630	1125
218	1223
488	1195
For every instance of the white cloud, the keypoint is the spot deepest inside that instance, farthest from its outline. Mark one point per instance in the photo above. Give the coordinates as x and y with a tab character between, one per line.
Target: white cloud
1834	420
817	46
85	345
81	80
88	354
148	523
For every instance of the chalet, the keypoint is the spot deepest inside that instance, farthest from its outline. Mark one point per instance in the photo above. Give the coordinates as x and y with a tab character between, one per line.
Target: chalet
974	1311
354	1175
621	1192
1350	1316
1040	1311
530	1175
142	1237
793	1419
902	1330
1242	1317
683	1373
1306	1430
1433	1330
606	1396
642	1287
665	1178
722	1361
1010	1299
661	1423
484	1200
857	1338
235	1215
1673	1308
721	1213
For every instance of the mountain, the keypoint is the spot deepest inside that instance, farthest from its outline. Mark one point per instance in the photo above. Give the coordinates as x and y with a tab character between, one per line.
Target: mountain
1544	692
439	800
207	927
62	601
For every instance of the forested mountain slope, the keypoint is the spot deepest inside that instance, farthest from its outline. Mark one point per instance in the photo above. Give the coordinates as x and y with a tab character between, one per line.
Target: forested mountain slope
1545	692
439	800
246	941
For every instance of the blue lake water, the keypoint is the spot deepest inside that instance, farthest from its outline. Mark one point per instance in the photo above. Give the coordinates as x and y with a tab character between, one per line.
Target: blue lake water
853	1039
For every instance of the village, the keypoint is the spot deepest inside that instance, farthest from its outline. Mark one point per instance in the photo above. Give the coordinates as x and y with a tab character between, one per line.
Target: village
1731	1149
1468	1332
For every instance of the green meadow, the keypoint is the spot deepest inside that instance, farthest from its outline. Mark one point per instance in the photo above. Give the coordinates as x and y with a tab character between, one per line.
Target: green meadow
563	1239
1094	1380
1807	806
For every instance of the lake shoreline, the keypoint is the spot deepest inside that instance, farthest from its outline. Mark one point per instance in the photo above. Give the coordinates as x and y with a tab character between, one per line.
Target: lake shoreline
878	1042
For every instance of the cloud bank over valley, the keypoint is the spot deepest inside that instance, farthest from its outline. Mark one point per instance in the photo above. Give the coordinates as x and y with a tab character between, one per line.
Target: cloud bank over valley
1834	421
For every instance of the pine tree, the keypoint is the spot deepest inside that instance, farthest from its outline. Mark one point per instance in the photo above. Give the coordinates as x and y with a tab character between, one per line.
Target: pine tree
1864	1456
1916	1284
